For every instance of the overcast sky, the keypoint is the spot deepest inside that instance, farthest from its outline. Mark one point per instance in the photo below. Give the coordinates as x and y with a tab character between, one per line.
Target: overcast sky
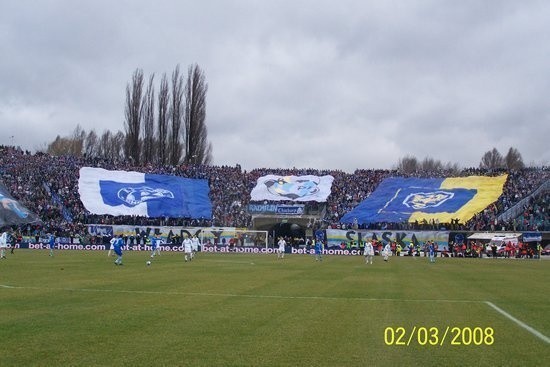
322	84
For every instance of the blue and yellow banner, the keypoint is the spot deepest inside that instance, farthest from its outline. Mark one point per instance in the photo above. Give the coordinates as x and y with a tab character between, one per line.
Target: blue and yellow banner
418	199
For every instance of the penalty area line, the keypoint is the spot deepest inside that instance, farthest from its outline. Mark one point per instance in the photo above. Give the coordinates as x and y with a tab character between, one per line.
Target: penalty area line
523	325
260	296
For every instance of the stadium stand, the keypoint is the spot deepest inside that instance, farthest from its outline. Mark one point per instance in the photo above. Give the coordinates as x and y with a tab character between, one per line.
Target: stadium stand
48	186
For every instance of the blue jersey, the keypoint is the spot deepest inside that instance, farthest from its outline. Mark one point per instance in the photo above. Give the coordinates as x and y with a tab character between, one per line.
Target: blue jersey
318	247
52	241
154	243
119	243
431	250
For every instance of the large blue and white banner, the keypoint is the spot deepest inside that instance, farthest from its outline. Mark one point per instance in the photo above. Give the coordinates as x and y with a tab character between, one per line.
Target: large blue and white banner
292	188
135	193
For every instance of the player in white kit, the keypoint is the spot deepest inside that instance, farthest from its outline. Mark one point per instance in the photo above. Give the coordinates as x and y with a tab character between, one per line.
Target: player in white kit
4	239
369	252
194	245
111	246
386	252
281	251
188	248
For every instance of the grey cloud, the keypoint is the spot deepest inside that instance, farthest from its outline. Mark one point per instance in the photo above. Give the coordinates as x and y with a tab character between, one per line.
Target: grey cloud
292	84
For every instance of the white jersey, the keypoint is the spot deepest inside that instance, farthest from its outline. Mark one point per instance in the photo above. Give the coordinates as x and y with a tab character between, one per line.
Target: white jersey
187	245
112	242
387	250
369	250
195	243
4	240
282	244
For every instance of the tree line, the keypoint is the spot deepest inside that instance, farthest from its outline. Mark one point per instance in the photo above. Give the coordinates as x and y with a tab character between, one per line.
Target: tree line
491	160
168	127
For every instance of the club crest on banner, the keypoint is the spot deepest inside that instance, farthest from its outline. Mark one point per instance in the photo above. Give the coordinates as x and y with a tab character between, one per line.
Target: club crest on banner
292	189
132	196
423	200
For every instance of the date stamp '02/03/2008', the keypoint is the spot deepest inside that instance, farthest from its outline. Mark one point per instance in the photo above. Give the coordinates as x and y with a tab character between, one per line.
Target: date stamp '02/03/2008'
434	336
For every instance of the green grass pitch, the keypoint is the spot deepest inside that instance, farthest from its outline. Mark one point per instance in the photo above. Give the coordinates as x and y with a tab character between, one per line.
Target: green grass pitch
79	309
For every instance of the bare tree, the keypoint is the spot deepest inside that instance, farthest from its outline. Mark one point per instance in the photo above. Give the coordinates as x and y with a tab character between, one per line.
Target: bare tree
72	145
408	164
176	112
105	149
162	121
91	144
197	148
492	160
181	129
452	168
118	143
149	122
60	146
77	139
431	165
133	112
513	159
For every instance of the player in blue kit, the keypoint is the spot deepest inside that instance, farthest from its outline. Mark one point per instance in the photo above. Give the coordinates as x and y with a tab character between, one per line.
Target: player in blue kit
118	245
431	251
51	243
318	250
155	246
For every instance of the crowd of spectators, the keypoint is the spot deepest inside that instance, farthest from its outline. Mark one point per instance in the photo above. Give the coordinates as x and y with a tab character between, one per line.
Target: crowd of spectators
534	217
48	186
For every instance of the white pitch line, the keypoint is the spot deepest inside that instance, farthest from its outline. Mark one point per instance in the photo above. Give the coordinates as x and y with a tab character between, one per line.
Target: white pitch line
520	323
204	294
227	261
493	306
